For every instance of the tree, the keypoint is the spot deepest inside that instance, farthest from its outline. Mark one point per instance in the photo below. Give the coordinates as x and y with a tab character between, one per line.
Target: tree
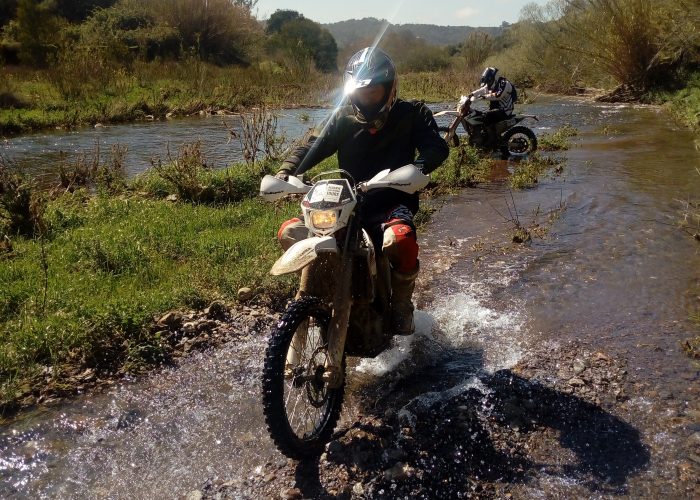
221	31
279	18
8	11
477	47
79	10
637	42
301	38
36	31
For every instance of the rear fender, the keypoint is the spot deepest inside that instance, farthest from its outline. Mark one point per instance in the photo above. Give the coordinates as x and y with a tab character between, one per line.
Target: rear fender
302	253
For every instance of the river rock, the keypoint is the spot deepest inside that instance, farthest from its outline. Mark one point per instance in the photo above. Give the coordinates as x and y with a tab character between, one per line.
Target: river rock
396	473
290	494
172	320
190	327
245	294
358	489
216	310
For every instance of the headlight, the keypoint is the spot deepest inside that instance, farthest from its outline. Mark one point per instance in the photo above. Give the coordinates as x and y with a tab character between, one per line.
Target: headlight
324	219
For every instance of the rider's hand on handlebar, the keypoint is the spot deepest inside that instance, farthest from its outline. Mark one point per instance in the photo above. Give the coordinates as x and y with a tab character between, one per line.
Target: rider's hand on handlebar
283	174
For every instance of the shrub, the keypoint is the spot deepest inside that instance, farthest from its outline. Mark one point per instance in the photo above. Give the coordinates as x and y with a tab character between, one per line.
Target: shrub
21	203
88	170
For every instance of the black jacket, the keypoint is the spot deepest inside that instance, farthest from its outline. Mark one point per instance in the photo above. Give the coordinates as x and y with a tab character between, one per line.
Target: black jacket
409	127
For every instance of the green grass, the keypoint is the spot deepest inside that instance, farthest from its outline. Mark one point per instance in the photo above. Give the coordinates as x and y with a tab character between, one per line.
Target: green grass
684	104
46	99
527	174
558	140
112	264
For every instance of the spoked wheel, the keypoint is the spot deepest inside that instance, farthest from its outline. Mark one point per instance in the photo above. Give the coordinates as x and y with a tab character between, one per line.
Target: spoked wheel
519	141
301	411
444	132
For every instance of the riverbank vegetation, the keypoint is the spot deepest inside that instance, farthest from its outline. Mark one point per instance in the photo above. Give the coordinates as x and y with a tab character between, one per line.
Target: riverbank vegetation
69	64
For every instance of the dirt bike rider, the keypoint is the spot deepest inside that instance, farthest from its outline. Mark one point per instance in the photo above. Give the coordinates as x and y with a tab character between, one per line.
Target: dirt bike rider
499	93
376	131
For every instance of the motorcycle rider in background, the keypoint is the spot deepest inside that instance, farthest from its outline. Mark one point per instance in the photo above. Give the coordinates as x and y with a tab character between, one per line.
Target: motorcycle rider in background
376	131
499	93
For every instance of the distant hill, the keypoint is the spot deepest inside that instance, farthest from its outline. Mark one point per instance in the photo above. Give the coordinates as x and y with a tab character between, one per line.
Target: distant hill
346	32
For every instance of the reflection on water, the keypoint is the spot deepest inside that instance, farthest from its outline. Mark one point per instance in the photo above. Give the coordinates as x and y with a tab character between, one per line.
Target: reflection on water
41	152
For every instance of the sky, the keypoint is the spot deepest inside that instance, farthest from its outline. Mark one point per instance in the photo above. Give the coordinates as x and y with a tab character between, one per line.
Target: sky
440	12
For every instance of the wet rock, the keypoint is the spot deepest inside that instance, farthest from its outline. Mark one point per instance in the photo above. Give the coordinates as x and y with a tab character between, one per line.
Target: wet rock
358	489
128	419
245	294
206	325
396	473
190	327
216	310
172	320
87	375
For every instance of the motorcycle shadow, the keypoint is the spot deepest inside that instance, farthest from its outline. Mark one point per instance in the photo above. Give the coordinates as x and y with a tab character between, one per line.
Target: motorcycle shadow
477	433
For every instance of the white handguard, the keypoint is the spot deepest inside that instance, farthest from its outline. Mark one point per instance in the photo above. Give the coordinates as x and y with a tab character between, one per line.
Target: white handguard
273	188
408	179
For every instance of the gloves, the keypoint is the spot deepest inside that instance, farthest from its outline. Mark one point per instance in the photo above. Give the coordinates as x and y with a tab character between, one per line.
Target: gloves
283	174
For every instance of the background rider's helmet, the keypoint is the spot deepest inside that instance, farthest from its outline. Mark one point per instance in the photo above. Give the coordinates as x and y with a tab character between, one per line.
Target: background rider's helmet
488	77
371	66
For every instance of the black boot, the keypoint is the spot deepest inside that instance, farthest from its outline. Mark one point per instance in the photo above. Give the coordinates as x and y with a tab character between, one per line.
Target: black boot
402	285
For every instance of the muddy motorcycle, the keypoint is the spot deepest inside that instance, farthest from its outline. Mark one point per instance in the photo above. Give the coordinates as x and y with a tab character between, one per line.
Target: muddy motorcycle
511	139
342	307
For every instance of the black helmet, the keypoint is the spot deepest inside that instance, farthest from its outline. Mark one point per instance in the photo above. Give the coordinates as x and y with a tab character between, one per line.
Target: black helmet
371	66
488	77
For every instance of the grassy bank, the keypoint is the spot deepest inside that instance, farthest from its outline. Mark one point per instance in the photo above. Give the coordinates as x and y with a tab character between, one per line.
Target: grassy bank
32	100
81	293
684	104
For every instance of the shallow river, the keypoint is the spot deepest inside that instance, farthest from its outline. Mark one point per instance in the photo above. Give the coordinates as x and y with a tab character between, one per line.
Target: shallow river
612	274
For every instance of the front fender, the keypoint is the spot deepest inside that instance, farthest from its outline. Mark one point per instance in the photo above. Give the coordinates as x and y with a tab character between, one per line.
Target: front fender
302	253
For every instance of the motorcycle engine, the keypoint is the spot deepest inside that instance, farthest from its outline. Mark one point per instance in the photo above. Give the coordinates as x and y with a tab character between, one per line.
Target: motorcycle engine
479	136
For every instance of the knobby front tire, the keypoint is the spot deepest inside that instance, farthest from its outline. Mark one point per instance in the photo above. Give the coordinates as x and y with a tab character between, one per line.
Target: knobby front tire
301	412
454	140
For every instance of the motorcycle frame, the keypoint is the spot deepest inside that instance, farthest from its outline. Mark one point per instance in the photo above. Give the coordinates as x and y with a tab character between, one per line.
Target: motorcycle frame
339	290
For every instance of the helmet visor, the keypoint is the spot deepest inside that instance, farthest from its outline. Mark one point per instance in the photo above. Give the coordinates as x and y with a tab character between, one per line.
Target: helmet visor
370	100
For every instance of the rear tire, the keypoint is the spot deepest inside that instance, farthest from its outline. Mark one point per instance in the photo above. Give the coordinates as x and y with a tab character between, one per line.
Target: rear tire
518	141
455	138
301	411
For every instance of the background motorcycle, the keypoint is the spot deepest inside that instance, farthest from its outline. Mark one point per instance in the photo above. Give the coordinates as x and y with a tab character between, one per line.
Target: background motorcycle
342	307
512	139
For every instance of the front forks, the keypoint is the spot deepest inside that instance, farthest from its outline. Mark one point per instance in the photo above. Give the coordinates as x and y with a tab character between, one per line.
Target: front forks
327	278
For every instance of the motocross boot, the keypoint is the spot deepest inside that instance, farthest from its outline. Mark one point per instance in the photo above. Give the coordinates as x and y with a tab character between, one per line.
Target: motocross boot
402	285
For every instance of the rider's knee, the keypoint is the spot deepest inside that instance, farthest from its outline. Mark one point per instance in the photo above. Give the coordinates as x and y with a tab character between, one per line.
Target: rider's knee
401	247
291	231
